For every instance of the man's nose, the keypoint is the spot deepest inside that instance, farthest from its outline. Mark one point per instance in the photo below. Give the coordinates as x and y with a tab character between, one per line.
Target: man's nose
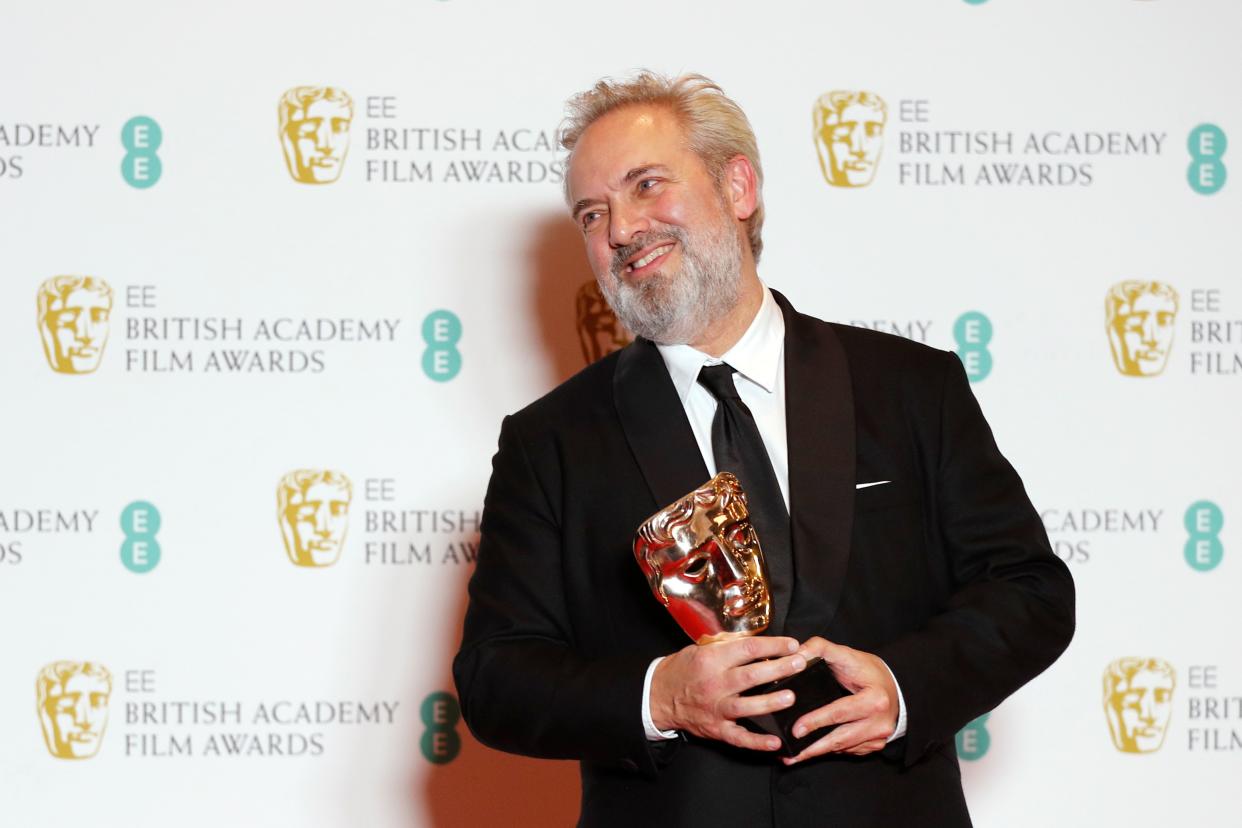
624	225
81	710
321	522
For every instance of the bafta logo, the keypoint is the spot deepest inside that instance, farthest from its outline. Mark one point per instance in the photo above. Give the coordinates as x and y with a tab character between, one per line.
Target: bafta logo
73	707
598	329
1138	701
1140	318
73	322
313	511
849	135
314	132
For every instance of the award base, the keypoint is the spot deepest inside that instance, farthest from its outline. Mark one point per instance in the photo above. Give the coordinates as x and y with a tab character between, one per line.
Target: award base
814	687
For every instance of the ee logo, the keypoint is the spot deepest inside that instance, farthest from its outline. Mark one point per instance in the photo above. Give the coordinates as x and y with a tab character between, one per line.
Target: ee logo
1207	144
972	332
440	743
441	332
973	740
141	167
140	552
1204	520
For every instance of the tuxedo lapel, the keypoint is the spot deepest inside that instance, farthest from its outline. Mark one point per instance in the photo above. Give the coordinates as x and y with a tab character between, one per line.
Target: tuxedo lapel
655	424
819	411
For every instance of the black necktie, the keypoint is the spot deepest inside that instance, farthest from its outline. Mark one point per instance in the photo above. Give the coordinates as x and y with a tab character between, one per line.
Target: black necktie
738	448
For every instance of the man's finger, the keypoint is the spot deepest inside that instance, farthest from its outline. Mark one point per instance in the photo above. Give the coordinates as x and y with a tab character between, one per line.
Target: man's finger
755	648
867	747
741	706
817	748
847	709
829	651
739	736
762	672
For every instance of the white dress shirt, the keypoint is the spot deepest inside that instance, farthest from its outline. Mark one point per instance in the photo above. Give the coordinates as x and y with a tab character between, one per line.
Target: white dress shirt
759	360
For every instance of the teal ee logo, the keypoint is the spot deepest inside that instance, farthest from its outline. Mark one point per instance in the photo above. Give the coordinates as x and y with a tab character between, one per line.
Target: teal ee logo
440	743
1207	144
141	136
140	551
441	332
975	2
973	740
1204	520
972	332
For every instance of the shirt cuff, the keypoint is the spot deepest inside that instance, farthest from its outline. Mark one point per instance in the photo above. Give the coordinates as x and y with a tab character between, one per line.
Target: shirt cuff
900	729
654	734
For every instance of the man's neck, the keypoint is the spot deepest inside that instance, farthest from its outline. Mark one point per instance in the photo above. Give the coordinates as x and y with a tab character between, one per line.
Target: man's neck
725	333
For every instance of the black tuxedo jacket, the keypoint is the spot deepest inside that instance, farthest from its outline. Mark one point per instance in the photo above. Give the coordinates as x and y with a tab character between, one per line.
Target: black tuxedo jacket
945	573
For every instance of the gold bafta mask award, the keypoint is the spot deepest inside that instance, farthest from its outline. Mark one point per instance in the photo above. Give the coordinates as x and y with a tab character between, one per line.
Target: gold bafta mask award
703	560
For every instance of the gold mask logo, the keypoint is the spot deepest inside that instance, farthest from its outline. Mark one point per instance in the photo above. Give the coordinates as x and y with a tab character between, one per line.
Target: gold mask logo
1138	702
314	132
74	314
599	330
312	506
72	702
1139	318
849	136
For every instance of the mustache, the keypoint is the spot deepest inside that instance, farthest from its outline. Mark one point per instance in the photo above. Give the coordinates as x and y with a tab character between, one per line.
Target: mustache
645	240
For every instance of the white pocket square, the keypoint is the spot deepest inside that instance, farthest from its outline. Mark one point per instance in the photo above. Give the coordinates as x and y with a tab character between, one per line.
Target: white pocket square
869	485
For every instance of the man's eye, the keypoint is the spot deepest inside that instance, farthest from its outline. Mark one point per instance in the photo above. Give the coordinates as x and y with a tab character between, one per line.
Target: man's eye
589	218
648	184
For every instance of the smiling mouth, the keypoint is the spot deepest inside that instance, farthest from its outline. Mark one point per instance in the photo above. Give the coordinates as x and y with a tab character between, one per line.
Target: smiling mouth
651	258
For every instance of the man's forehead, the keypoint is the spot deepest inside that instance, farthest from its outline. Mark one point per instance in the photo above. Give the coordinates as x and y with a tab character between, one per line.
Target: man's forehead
626	139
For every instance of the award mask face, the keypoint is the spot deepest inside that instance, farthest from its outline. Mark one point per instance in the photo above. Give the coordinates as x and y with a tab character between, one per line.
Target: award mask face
703	561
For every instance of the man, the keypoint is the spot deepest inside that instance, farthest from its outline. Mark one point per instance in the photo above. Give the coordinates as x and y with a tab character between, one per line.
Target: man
919	569
1138	702
1140	318
312	508
74	320
73	707
314	132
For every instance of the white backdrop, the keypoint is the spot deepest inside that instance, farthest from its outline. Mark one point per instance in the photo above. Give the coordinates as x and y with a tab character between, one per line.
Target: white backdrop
245	689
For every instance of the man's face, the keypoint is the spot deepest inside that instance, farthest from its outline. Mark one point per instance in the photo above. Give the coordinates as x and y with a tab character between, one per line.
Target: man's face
318	138
713	574
1142	707
77	328
661	237
78	713
1143	334
318	520
849	144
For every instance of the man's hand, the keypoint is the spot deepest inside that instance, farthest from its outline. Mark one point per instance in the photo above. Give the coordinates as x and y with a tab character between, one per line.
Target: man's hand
865	719
697	689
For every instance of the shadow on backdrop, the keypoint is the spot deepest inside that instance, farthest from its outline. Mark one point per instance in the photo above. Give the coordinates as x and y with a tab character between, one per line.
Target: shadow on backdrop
481	786
575	325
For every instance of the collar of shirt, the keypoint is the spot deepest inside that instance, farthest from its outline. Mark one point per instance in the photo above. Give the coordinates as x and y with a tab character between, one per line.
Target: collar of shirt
756	356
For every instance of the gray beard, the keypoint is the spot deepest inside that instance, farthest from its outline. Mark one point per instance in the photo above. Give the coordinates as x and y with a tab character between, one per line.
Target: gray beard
675	308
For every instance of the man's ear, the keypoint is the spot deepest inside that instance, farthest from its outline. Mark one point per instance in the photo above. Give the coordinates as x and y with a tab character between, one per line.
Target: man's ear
741	186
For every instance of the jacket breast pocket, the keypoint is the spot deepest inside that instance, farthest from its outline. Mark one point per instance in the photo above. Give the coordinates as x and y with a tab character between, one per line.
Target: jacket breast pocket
882	496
